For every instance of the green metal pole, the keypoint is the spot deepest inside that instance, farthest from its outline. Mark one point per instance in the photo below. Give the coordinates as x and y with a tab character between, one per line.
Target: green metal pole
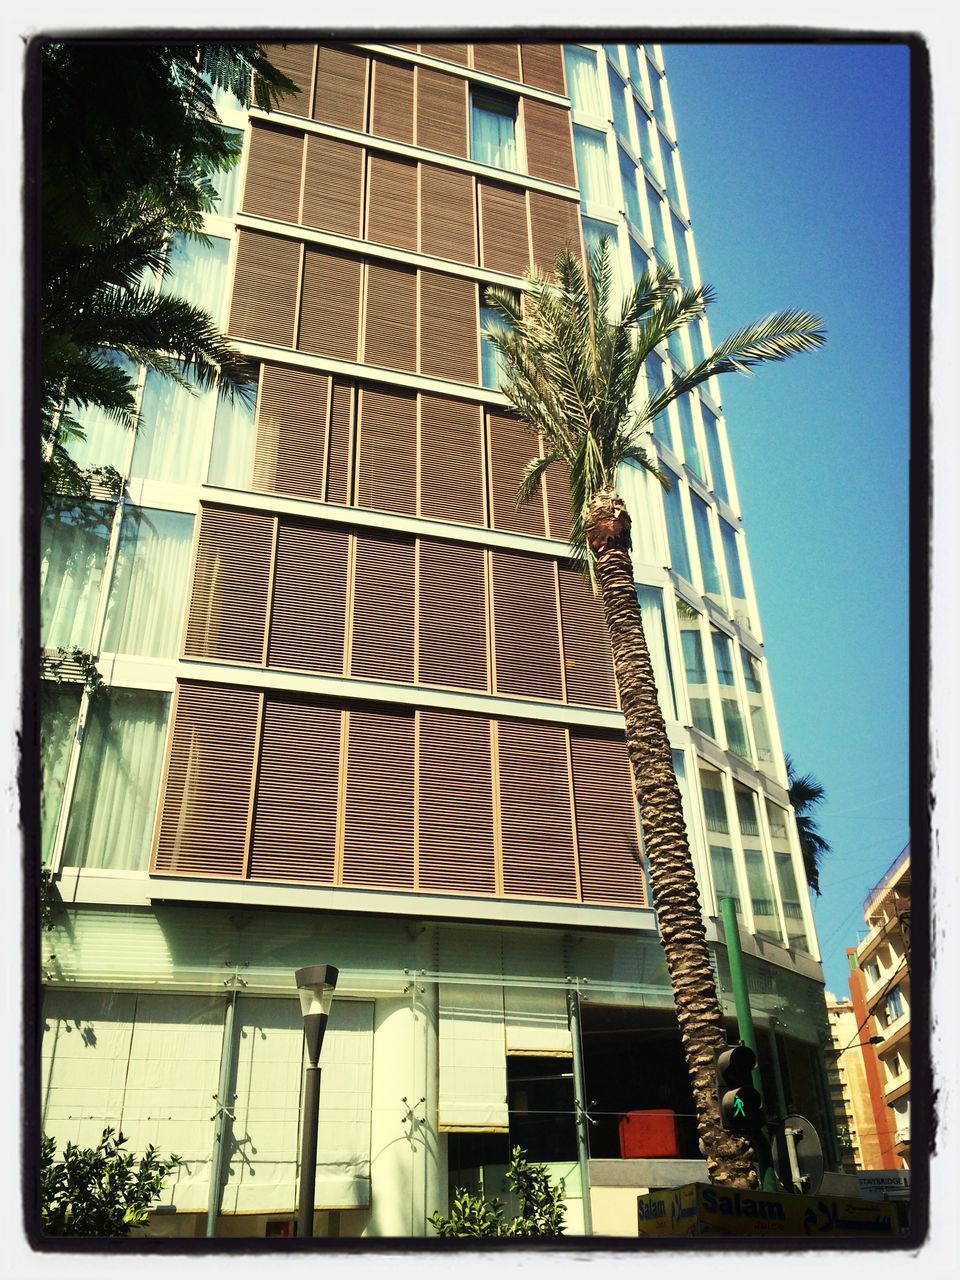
580	1103
741	997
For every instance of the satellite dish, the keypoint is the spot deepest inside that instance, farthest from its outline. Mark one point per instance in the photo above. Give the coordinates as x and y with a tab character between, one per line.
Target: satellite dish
798	1155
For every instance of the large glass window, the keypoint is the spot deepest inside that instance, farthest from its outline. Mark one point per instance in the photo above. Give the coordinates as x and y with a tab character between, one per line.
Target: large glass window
696	673
593	232
724	875
714	805
647	152
676	535
655	631
734	728
668	160
106	439
593	172
682	254
790	895
751	671
711	431
731	555
491	362
583	82
655	208
723	656
115	798
708	563
149	585
762	900
695	336
761	733
224	182
628	177
198	272
73	550
614	53
173	431
619	103
688	433
656	382
234	434
639	263
633	70
59	709
658	92
493	129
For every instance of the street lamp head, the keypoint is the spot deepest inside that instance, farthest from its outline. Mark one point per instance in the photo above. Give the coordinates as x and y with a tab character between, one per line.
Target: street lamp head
315	987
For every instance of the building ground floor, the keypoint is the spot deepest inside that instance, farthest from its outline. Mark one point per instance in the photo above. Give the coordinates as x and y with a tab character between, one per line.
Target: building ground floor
449	1043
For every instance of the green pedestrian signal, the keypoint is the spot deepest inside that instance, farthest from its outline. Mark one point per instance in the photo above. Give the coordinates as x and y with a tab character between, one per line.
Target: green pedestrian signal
741	1108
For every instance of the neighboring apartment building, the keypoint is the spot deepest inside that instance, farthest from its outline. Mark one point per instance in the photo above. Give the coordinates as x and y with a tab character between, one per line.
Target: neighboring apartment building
849	1068
880	990
358	709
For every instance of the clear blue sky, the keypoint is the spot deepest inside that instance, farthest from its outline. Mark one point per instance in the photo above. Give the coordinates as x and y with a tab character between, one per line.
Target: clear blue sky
796	161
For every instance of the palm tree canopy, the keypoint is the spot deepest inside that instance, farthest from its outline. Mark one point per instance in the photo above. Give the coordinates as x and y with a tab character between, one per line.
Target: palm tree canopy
572	372
806	794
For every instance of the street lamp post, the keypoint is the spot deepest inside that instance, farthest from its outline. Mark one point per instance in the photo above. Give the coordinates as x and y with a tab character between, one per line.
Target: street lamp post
315	987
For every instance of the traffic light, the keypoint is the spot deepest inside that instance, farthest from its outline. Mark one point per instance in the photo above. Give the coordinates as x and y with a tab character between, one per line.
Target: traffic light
741	1110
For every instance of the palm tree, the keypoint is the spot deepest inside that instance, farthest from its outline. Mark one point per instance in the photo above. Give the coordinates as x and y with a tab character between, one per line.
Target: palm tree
572	375
806	793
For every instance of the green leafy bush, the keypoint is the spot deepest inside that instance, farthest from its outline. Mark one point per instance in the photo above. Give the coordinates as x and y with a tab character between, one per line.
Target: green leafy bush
541	1209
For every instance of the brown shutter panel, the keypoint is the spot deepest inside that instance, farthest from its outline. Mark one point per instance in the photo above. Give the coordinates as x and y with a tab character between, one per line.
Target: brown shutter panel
497	59
543	66
549	144
387	450
330	305
503	229
295	811
392	201
341	93
383	607
587	658
448	224
449	343
610	864
455	808
525	626
309	597
378	841
535	818
265	289
206	799
291	431
339	478
441	112
392	111
512	446
391	317
274	165
448	52
555	225
332	185
296	63
453	619
557	485
228	601
451	459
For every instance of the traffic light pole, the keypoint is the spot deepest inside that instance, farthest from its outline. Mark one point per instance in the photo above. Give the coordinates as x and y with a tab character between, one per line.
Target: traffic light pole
741	997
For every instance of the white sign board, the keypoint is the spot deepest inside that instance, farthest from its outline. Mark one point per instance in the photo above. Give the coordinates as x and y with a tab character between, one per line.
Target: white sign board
879	1184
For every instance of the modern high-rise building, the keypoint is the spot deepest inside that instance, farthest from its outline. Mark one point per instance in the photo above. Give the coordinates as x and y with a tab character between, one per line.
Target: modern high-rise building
357	708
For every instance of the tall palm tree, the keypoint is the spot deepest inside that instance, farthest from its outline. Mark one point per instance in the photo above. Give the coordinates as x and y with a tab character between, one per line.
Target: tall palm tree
806	793
572	375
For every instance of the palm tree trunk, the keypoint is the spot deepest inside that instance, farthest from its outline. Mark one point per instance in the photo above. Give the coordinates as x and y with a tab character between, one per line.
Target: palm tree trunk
730	1158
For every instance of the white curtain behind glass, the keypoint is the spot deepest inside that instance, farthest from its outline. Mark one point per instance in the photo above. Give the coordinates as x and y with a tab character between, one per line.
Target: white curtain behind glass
107	440
173	432
493	134
149	585
582	79
593	170
654	628
231	456
633	483
59	708
73	548
198	273
111	816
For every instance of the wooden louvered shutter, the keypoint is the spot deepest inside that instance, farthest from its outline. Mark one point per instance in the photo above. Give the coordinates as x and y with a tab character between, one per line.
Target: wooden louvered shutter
340	96
274	165
451	459
587	658
535	818
448	52
447	214
295	809
455	846
332	185
265	289
228	602
554	225
308	610
392	111
556	482
610	864
330	305
512	446
387	450
549	142
291	431
378	839
206	798
503	228
543	66
296	62
497	59
449	343
392	201
525	626
383	624
453	616
390	318
339	474
441	112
